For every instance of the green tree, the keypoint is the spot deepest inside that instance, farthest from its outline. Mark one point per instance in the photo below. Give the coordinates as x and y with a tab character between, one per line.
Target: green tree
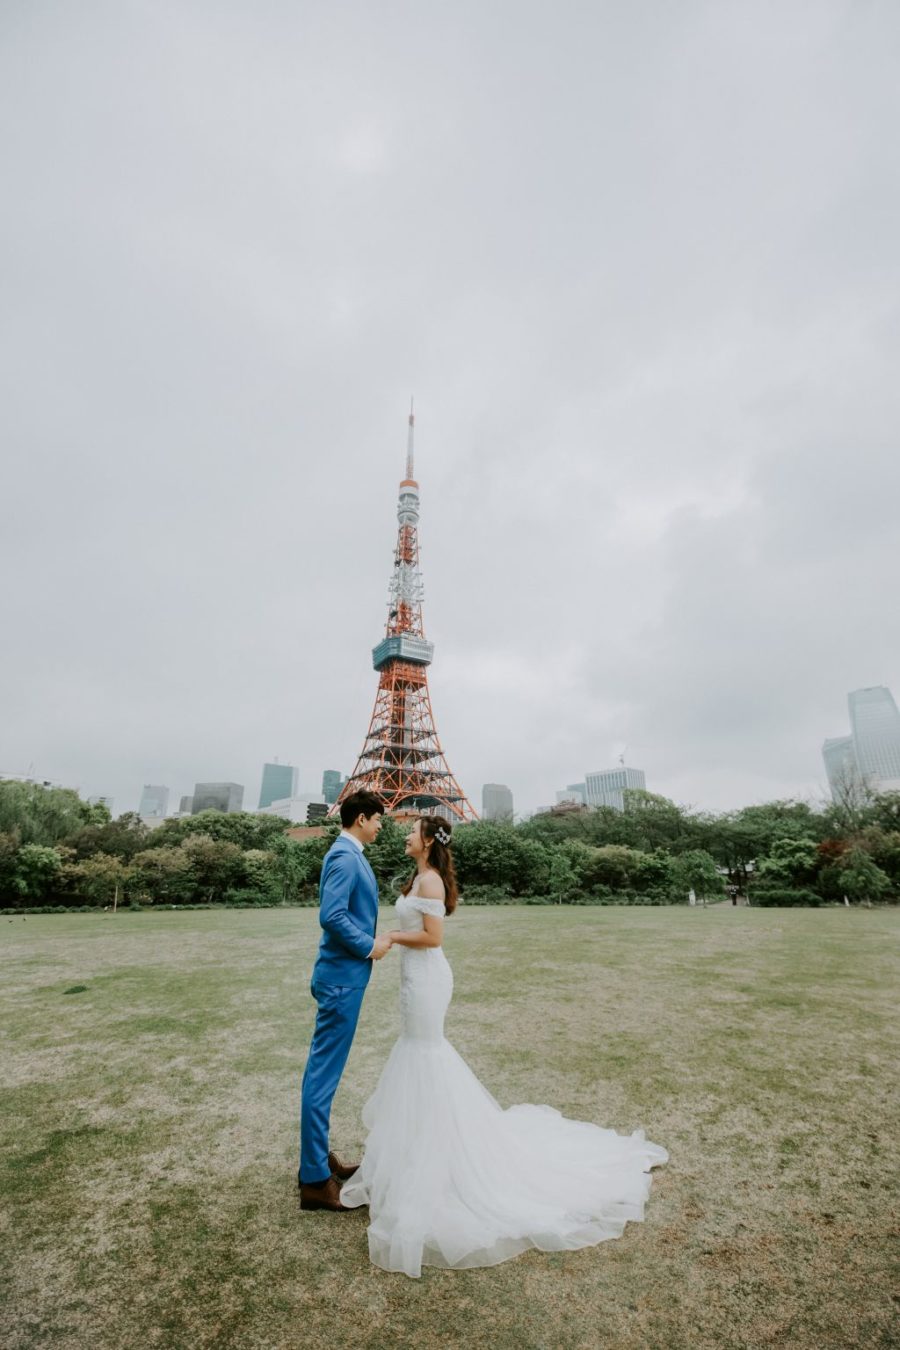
791	862
563	878
164	876
486	854
885	812
9	848
883	847
243	828
614	868
121	838
97	880
651	822
40	815
696	871
388	857
36	869
215	866
293	864
863	880
98	813
261	875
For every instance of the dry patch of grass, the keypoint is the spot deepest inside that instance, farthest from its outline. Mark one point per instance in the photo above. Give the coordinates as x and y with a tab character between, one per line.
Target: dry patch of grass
149	1130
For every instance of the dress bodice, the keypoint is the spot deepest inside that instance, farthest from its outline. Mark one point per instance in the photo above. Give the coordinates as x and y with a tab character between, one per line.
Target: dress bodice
411	908
426	980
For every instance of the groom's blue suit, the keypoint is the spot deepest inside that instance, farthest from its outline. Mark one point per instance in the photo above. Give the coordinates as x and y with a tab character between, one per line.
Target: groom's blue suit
348	913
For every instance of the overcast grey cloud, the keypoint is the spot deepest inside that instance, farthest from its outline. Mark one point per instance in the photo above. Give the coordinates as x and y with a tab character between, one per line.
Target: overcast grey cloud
638	262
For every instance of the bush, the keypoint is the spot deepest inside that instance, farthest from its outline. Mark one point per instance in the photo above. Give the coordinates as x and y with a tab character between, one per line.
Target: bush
243	898
784	896
486	895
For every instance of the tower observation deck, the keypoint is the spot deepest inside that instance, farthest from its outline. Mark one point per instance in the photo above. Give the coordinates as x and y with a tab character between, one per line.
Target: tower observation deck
401	758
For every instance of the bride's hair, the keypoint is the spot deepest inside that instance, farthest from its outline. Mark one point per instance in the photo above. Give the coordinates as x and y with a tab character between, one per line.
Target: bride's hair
439	857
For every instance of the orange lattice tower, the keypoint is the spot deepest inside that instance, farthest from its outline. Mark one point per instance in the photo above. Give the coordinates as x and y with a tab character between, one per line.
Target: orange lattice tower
402	759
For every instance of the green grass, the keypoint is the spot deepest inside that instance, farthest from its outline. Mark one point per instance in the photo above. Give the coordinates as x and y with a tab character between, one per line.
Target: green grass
149	1130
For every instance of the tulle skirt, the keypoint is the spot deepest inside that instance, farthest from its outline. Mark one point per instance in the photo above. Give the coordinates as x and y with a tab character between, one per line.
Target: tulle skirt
453	1180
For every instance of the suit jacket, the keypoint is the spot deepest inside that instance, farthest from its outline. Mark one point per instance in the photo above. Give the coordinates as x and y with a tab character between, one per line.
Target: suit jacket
348	913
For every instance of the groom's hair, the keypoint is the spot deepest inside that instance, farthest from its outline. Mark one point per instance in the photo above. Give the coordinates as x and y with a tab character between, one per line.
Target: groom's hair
360	804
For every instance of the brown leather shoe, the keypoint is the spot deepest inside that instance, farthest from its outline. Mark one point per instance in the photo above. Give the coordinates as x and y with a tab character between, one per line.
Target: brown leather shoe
326	1196
343	1171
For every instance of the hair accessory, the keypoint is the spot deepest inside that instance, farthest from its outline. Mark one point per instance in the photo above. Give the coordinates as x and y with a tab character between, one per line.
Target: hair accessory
442	835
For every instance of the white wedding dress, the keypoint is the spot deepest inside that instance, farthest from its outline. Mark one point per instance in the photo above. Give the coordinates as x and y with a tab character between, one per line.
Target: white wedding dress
450	1178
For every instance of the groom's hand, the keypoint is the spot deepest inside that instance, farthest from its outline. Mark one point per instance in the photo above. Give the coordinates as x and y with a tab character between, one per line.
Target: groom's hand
381	948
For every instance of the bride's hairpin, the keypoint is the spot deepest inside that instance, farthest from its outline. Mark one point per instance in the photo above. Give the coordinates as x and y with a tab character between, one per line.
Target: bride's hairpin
442	835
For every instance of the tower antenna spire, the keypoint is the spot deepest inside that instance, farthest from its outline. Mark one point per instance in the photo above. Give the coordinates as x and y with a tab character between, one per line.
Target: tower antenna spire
410	464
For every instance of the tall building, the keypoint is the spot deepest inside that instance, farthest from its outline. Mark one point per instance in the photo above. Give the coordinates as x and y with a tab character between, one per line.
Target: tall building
278	781
401	759
186	806
841	766
869	758
154	800
573	792
875	727
332	782
217	797
606	787
496	802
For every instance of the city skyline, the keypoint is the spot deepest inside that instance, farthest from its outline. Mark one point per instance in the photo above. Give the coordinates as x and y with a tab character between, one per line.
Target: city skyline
654	360
872	710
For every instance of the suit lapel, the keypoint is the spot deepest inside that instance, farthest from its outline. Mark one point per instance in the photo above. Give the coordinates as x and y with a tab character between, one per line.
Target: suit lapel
364	863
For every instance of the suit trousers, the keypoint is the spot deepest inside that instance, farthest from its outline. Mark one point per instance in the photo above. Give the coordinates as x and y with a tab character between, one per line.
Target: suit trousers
336	1019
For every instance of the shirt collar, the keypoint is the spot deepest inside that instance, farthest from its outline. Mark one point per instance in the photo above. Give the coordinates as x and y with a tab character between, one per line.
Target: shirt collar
345	834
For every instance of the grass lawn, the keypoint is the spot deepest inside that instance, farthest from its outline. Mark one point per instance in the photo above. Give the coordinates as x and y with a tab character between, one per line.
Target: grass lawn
150	1129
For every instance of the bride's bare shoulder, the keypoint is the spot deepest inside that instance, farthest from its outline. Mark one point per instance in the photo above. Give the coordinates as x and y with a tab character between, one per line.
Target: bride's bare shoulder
430	885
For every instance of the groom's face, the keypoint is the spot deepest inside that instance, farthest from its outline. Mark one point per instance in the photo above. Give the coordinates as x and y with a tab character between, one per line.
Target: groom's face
369	826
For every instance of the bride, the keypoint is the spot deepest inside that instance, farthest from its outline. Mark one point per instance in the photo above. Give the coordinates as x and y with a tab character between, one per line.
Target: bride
450	1178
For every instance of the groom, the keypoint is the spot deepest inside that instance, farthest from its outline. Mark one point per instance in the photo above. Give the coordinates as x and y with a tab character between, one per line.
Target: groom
348	913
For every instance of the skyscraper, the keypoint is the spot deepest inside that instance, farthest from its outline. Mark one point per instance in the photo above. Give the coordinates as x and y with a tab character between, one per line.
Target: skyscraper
496	802
869	758
332	782
217	797
278	781
607	787
875	727
154	800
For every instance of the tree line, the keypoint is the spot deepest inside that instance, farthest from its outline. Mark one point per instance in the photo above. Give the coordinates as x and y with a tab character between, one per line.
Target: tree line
58	851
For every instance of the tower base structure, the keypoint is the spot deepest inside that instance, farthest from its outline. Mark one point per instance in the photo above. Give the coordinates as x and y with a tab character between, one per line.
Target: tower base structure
402	759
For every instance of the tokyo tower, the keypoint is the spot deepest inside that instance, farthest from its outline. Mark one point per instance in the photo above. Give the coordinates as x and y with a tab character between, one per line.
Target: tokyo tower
401	758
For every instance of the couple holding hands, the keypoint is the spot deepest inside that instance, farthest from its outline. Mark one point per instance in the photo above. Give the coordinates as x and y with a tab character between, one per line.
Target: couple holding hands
450	1178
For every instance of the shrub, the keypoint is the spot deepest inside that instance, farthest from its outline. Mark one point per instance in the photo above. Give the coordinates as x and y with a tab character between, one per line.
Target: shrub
486	895
243	898
784	896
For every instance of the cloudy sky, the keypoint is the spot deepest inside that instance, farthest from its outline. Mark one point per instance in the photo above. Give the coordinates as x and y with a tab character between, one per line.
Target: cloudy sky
637	261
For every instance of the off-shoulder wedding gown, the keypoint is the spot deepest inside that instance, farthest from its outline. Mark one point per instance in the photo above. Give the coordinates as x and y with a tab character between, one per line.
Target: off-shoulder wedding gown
450	1178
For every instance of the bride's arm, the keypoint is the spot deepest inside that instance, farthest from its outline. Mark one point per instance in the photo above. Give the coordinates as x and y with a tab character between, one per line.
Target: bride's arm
432	935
